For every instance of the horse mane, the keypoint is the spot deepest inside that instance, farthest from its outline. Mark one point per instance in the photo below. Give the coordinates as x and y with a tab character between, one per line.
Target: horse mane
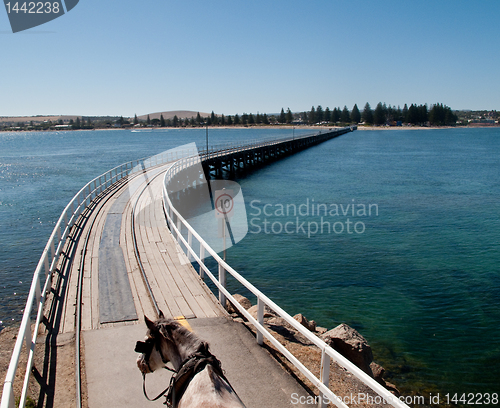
181	336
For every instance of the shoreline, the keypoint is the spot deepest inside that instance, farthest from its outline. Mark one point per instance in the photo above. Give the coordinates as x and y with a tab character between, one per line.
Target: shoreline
282	127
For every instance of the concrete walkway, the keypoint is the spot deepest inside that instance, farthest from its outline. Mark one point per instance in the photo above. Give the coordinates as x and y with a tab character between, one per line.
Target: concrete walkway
113	379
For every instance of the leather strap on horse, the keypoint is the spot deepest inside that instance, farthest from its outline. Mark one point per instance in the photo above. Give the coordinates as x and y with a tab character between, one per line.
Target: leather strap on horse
161	393
189	368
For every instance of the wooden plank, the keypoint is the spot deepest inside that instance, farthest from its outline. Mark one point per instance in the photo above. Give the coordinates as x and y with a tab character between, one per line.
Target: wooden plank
186	286
168	292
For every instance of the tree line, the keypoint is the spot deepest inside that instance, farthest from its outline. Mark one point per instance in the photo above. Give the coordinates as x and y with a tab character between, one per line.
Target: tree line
437	115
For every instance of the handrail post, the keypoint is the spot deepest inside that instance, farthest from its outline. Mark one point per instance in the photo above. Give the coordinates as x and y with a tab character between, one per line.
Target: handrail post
38	289
260	320
46	264
190	244
27	335
202	257
324	377
222	281
179	226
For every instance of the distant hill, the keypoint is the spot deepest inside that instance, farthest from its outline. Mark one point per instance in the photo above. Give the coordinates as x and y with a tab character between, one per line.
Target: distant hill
181	114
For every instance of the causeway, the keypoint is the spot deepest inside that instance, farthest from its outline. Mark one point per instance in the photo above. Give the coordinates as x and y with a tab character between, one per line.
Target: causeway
115	297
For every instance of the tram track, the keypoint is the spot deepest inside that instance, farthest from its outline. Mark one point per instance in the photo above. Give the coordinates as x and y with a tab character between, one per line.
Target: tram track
78	312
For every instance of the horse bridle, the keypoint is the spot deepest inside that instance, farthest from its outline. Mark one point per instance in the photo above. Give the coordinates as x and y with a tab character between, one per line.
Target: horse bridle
180	380
146	348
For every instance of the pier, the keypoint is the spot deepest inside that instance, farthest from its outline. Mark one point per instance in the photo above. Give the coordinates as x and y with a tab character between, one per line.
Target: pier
121	250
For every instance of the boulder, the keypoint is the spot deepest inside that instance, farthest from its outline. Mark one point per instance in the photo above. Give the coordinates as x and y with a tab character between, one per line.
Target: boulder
281	326
378	372
268	312
392	388
352	345
242	300
309	325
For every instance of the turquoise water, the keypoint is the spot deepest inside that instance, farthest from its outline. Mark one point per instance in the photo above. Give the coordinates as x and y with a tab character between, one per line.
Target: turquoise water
418	276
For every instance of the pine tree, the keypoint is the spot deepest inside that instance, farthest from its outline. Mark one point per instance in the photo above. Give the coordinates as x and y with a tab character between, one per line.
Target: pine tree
312	116
355	114
236	119
148	121
368	114
229	120
289	116
212	118
162	121
198	119
265	119
345	116
405	113
251	119
319	114
175	121
379	115
136	121
412	116
335	115
328	115
282	118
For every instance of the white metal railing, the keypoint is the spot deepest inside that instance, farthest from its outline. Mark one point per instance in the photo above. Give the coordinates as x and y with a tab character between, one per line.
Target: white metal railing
225	149
50	258
177	223
53	249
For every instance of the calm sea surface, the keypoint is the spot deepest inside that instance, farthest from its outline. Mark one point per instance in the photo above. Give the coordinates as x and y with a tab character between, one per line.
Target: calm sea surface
396	233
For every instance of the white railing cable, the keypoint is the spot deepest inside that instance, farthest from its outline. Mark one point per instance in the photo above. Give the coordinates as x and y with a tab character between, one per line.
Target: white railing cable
328	353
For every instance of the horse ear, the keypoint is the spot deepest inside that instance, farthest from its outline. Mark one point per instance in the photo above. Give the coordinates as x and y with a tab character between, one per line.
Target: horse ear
162	316
149	323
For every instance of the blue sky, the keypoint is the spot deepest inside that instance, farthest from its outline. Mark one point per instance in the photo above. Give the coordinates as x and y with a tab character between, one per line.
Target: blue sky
232	56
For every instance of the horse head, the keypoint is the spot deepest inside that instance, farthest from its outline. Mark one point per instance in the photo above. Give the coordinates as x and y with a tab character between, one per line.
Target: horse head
158	347
166	340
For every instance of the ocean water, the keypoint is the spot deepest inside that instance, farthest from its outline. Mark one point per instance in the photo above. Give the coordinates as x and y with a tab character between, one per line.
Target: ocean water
418	276
395	232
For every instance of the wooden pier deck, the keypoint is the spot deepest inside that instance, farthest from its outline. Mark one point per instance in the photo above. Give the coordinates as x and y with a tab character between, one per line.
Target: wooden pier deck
176	286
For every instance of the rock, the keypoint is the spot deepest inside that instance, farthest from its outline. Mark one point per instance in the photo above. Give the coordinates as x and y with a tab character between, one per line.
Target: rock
279	321
392	388
321	330
312	325
351	345
242	300
309	325
378	372
267	312
281	326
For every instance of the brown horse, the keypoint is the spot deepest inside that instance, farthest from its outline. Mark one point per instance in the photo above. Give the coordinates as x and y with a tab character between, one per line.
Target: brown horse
198	381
